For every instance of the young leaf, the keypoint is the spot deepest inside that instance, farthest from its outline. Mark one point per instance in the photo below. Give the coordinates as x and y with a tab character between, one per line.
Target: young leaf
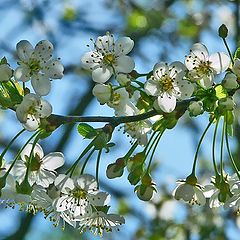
86	130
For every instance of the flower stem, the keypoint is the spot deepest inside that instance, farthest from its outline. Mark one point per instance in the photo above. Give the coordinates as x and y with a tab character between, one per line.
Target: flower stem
198	147
228	49
131	150
154	149
221	150
213	148
9	145
86	161
19	152
97	166
230	154
84	152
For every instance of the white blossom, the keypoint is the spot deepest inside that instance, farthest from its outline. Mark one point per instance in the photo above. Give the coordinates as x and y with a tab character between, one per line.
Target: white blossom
109	57
236	67
192	194
30	111
98	221
195	108
168	85
118	100
102	92
230	81
5	72
79	195
203	67
37	64
227	103
41	168
138	129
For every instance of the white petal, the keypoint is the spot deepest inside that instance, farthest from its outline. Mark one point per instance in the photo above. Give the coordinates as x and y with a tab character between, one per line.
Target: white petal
24	50
43	50
124	45
101	75
53	161
207	81
99	199
177	66
152	88
45	178
22	73
160	69
104	43
64	183
124	64
91	59
32	123
5	72
27	150
166	103
186	89
87	182
41	84
200	196
45	109
219	62
53	69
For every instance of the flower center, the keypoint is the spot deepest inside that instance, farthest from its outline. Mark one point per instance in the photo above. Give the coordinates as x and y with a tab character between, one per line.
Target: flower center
34	66
116	97
32	110
203	67
166	83
109	59
79	193
35	163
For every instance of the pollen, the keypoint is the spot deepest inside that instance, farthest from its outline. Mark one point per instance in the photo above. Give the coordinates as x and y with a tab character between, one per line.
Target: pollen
109	59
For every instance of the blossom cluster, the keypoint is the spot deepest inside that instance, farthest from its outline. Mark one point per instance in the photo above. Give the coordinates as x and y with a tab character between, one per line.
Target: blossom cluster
146	104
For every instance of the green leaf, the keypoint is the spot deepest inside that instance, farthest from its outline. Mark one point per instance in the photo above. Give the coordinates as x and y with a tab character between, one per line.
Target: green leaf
237	54
220	92
86	130
3	61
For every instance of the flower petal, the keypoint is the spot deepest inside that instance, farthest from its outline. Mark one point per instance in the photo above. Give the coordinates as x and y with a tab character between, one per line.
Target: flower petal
41	84
101	74
166	103
124	64
53	69
219	62
43	50
104	43
22	73
152	87
5	72
91	60
99	199
124	45
87	182
24	50
53	161
186	89
32	123
45	109
27	151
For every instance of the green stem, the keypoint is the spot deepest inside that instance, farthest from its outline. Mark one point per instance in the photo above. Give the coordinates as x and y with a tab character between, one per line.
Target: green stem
86	161
154	149
9	145
213	148
230	154
97	166
221	150
131	150
19	152
198	147
228	49
85	151
148	143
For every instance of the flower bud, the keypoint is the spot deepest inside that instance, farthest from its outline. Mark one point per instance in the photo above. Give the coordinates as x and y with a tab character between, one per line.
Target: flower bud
236	67
144	192
226	104
195	108
5	73
114	171
102	92
136	161
230	81
123	79
223	31
135	175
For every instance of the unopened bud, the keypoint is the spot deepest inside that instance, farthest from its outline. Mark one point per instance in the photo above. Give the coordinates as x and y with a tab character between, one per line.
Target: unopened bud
223	31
